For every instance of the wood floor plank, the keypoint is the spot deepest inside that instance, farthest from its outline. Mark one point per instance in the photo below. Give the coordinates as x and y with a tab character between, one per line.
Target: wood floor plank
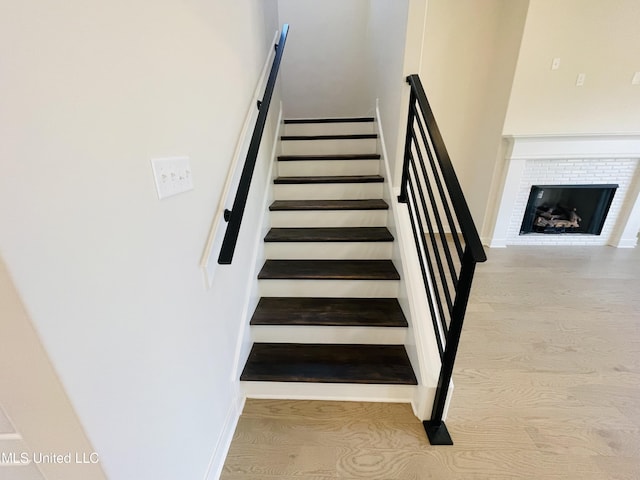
327	411
556	324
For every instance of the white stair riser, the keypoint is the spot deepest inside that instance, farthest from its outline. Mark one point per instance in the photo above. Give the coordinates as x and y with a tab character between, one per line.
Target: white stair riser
329	218
329	147
328	250
341	128
302	168
328	288
328	334
329	391
327	191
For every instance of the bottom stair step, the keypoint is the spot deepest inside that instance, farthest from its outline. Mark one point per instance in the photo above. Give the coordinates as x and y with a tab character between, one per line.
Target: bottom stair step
329	363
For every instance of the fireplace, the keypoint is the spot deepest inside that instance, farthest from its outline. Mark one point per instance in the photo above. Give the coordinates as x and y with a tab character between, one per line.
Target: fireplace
551	161
557	209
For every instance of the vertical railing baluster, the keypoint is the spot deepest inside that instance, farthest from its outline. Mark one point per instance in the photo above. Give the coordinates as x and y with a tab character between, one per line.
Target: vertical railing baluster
435	428
402	198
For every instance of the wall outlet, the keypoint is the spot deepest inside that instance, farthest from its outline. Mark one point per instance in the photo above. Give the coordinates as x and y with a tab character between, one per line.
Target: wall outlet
172	175
555	64
636	79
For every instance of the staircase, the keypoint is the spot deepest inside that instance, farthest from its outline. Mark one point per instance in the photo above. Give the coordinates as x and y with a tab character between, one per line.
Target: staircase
328	321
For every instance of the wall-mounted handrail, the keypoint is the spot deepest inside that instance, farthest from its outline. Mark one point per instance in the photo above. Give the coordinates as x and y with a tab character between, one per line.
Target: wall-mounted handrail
234	216
446	239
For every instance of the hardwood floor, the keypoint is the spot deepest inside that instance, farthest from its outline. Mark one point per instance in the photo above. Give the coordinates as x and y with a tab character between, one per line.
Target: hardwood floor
547	386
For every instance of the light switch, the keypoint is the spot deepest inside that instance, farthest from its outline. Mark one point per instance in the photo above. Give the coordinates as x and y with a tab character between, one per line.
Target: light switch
172	175
580	79
555	64
636	79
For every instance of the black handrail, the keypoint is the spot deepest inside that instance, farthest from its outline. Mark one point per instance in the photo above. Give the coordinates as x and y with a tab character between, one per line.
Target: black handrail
234	216
440	218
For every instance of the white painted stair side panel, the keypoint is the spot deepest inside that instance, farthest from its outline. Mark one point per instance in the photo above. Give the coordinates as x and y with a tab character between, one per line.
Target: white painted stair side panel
328	288
301	168
328	147
328	334
328	218
327	191
328	250
334	128
329	391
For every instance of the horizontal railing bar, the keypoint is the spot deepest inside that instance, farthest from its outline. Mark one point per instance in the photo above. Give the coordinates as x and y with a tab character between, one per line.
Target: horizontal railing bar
467	226
240	201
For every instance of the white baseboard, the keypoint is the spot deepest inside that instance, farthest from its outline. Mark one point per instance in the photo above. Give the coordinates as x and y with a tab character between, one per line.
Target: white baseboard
224	439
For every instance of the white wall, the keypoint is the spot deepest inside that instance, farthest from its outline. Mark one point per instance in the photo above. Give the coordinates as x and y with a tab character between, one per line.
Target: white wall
324	71
600	38
469	57
394	54
34	401
91	91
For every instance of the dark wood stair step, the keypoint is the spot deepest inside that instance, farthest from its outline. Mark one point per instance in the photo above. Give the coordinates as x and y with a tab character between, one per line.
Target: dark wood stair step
345	312
351	136
329	234
290	121
329	270
329	363
330	179
367	204
346	156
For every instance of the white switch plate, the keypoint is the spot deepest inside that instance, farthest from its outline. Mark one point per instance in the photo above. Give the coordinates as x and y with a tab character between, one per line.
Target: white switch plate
636	79
555	64
580	79
172	175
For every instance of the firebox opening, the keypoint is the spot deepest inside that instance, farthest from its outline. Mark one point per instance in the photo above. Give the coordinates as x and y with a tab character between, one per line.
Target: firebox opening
567	209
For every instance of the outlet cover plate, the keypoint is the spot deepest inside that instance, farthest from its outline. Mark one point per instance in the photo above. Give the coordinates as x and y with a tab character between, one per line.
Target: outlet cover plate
172	175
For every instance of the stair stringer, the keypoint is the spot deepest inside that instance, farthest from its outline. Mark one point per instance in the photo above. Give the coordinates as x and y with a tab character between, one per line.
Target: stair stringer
244	340
420	341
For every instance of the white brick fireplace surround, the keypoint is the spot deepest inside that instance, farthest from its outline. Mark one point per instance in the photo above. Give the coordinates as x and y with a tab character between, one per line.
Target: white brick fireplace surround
571	160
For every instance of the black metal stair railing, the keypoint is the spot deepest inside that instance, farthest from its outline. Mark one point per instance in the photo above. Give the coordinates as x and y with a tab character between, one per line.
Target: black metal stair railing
446	238
234	216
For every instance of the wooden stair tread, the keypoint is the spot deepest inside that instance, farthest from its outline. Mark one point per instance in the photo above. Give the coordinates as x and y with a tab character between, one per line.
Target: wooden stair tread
329	363
345	156
329	234
329	179
291	121
354	312
351	136
329	270
366	204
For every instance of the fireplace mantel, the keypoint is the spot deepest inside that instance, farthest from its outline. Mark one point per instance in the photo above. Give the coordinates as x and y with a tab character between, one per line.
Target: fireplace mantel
558	159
